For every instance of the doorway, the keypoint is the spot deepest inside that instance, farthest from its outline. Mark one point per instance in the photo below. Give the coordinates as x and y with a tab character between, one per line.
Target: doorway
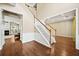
11	27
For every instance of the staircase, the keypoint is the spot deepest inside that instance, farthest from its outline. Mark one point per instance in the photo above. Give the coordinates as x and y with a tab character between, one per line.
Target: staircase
45	34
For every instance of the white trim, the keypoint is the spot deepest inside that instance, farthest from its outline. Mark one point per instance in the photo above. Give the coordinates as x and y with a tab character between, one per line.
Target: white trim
77	29
1	29
77	23
1	24
60	13
18	13
42	34
41	40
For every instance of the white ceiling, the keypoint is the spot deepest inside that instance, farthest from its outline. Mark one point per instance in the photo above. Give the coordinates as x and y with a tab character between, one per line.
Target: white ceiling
62	17
31	4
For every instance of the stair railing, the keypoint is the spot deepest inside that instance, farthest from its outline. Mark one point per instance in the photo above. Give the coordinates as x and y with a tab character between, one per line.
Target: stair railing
50	30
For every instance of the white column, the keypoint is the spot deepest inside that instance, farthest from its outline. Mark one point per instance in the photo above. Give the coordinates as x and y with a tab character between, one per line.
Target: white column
1	30
77	28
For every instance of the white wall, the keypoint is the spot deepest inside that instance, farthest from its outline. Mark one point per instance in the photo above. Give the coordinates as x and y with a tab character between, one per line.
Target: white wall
47	10
27	16
28	19
63	28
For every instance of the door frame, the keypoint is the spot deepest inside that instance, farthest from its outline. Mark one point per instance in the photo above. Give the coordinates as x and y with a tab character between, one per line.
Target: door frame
77	23
2	41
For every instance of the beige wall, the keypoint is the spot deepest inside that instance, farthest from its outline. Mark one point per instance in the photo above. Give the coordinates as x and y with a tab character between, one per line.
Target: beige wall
47	10
63	28
28	19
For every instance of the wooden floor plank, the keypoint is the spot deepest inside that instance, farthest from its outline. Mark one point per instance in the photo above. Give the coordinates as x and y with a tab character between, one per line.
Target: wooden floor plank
63	47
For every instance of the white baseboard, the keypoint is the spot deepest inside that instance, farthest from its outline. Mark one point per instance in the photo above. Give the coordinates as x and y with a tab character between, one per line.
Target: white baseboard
64	36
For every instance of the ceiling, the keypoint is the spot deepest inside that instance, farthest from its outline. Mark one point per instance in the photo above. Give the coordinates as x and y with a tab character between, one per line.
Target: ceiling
68	16
34	5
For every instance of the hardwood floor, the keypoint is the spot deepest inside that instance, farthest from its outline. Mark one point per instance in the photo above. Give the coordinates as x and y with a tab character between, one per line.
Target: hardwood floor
62	47
12	49
35	49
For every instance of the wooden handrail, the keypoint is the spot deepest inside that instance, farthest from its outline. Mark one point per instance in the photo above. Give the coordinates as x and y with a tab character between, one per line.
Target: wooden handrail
39	21
43	24
51	27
